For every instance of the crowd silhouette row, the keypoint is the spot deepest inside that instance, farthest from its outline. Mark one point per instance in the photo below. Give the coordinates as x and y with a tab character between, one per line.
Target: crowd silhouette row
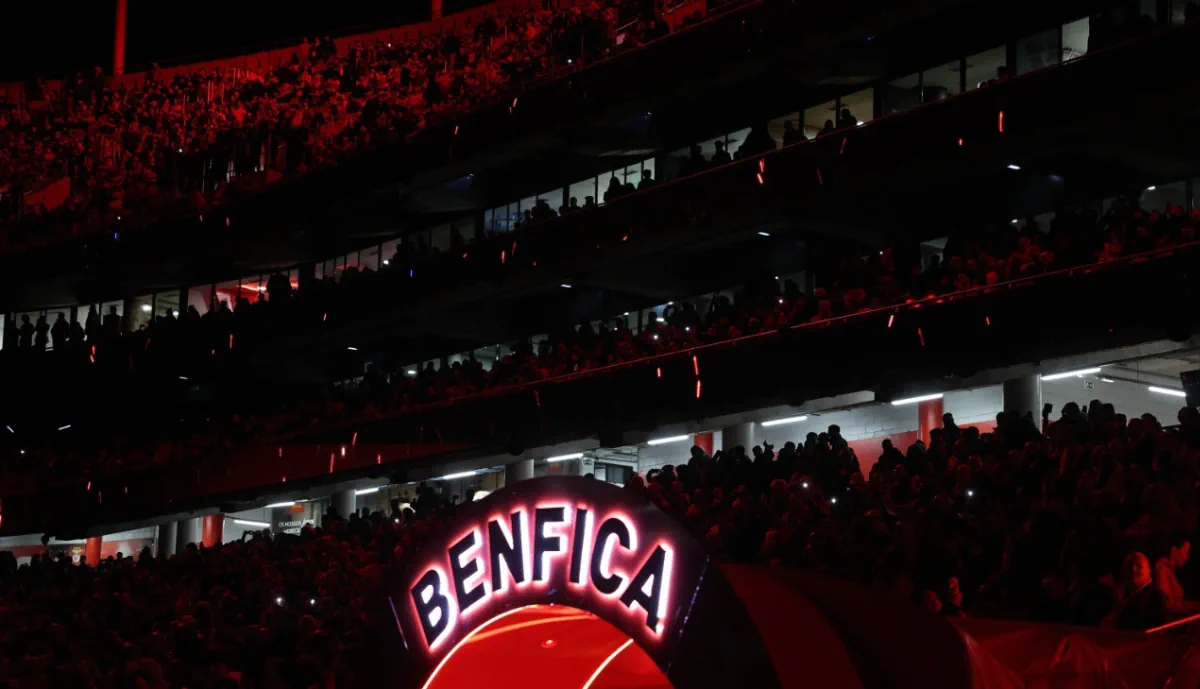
197	348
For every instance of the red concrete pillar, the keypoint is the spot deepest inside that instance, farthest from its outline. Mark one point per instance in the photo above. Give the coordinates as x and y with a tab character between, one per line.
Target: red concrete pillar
212	531
118	65
929	417
704	441
91	551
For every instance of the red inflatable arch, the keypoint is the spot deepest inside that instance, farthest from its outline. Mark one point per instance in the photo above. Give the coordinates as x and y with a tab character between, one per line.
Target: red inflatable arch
572	583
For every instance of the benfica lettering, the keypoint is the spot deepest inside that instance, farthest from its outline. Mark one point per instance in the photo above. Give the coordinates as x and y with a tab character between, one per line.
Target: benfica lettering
550	546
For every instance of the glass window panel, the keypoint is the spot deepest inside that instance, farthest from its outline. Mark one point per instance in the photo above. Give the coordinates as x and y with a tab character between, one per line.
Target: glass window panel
604	181
498	219
941	82
581	190
734	140
986	66
81	313
486	356
1043	222
651	315
465	227
816	117
511	215
369	258
645	177
526	209
226	293
143	309
649	164
786	130
1156	198
673	164
1148	16
439	237
24	325
1179	10
252	289
52	319
709	148
861	107
1037	51
389	250
166	303
553	199
901	94
1075	39
351	260
115	308
626	177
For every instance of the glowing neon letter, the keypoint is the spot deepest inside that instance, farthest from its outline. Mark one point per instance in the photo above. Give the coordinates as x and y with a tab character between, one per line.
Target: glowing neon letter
544	545
583	523
462	572
608	584
647	588
509	548
432	605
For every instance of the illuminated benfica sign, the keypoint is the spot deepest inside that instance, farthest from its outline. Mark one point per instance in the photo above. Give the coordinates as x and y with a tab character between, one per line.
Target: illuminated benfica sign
584	544
545	544
555	540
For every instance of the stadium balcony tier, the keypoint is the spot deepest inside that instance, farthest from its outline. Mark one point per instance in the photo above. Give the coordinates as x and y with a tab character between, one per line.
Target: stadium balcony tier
928	172
956	339
742	63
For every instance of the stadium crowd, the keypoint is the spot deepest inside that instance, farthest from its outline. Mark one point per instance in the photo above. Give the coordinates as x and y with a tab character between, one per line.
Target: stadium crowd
195	347
177	143
1088	523
1074	237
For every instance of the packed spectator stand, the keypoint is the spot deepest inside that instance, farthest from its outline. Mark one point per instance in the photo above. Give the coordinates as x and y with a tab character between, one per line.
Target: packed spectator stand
1087	523
171	147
